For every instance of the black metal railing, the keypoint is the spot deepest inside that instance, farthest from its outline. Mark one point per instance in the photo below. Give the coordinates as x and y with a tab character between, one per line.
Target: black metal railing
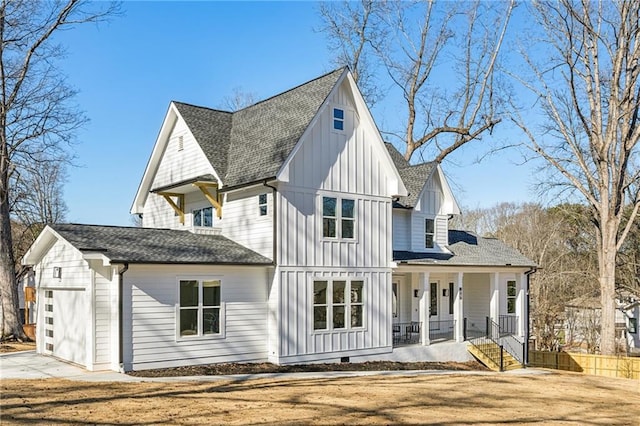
496	338
508	324
441	330
406	333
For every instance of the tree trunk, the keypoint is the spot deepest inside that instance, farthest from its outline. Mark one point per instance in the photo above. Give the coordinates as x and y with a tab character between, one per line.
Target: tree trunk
11	325
607	278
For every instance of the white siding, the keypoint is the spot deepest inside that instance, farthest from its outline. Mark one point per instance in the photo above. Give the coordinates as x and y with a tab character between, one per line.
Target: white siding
175	166
105	314
242	223
401	229
299	342
151	297
476	298
72	326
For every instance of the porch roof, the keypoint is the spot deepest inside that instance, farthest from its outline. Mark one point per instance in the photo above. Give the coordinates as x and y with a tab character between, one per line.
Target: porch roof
467	249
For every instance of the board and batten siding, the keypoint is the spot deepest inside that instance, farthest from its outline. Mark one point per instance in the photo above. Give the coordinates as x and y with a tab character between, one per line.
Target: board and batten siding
477	295
401	229
151	300
299	342
242	223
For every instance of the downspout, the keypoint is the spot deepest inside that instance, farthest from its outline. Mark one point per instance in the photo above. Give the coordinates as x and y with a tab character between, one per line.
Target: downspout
275	222
124	269
527	330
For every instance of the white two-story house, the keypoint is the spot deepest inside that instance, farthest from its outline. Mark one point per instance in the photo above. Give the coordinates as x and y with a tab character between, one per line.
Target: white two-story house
287	232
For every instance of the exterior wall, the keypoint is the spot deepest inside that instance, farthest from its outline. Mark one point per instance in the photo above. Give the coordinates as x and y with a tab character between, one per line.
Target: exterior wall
179	165
401	220
72	328
299	342
476	297
105	316
242	223
151	300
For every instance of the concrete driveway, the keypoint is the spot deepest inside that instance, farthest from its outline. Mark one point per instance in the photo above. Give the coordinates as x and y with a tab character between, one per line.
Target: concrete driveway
29	365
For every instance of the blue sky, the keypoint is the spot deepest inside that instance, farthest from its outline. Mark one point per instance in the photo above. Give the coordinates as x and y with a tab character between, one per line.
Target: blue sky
128	70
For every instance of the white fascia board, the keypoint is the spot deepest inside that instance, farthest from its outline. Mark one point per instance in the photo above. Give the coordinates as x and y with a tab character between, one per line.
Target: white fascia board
396	186
283	173
42	245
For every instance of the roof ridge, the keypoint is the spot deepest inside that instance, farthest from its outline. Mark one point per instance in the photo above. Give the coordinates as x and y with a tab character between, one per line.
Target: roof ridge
291	89
111	226
202	107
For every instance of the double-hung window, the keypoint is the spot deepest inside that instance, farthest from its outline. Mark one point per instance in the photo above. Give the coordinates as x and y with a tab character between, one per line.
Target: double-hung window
337	304
338	119
511	297
338	218
199	308
203	217
429	232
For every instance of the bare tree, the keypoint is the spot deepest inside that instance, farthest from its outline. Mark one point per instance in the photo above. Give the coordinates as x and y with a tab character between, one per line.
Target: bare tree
37	117
586	85
238	99
422	45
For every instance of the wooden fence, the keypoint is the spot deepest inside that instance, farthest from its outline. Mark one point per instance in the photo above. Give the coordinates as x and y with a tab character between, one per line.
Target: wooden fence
599	365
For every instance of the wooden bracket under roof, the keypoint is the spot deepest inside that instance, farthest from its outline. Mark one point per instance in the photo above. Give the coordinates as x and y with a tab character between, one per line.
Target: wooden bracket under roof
215	201
178	208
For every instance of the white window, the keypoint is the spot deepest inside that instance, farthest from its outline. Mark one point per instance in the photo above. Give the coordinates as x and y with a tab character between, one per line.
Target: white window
203	217
338	119
429	233
338	222
199	309
511	297
262	204
337	304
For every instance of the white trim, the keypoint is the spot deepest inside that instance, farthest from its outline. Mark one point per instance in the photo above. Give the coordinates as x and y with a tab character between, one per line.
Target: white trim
329	304
199	278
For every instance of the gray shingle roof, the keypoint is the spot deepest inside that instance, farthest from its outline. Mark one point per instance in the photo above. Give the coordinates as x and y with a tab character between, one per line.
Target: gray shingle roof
150	245
211	128
252	144
414	177
468	249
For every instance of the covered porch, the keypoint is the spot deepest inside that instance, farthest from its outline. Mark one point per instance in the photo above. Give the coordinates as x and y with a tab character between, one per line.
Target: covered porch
434	305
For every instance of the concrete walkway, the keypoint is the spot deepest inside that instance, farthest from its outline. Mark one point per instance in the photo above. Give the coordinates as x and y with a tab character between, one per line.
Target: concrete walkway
29	365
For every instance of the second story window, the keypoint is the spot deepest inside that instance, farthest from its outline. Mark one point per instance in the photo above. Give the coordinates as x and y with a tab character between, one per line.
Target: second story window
338	222
338	119
262	204
203	217
429	233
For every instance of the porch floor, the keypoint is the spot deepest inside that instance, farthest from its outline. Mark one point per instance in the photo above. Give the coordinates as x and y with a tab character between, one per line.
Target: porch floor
438	352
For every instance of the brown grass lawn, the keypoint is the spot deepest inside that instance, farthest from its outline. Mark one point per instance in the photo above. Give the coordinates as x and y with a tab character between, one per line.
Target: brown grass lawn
561	398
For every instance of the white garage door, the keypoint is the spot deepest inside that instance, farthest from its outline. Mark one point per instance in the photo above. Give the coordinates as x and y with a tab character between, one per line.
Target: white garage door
69	325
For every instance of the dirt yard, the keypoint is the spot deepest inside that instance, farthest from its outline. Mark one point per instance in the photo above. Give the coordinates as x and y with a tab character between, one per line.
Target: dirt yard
477	398
15	346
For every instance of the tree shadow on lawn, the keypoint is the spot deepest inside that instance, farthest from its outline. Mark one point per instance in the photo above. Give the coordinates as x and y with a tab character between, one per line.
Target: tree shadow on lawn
452	399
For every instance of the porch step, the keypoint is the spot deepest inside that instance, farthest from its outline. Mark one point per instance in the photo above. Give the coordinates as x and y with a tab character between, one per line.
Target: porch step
489	355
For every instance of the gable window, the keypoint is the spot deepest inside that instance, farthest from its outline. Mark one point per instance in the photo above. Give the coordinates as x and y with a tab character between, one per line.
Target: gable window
338	119
511	297
338	223
429	232
203	217
337	304
262	204
199	308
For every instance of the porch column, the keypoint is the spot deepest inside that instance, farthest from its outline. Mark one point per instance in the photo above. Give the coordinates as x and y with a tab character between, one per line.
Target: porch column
458	308
425	306
521	304
494	297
